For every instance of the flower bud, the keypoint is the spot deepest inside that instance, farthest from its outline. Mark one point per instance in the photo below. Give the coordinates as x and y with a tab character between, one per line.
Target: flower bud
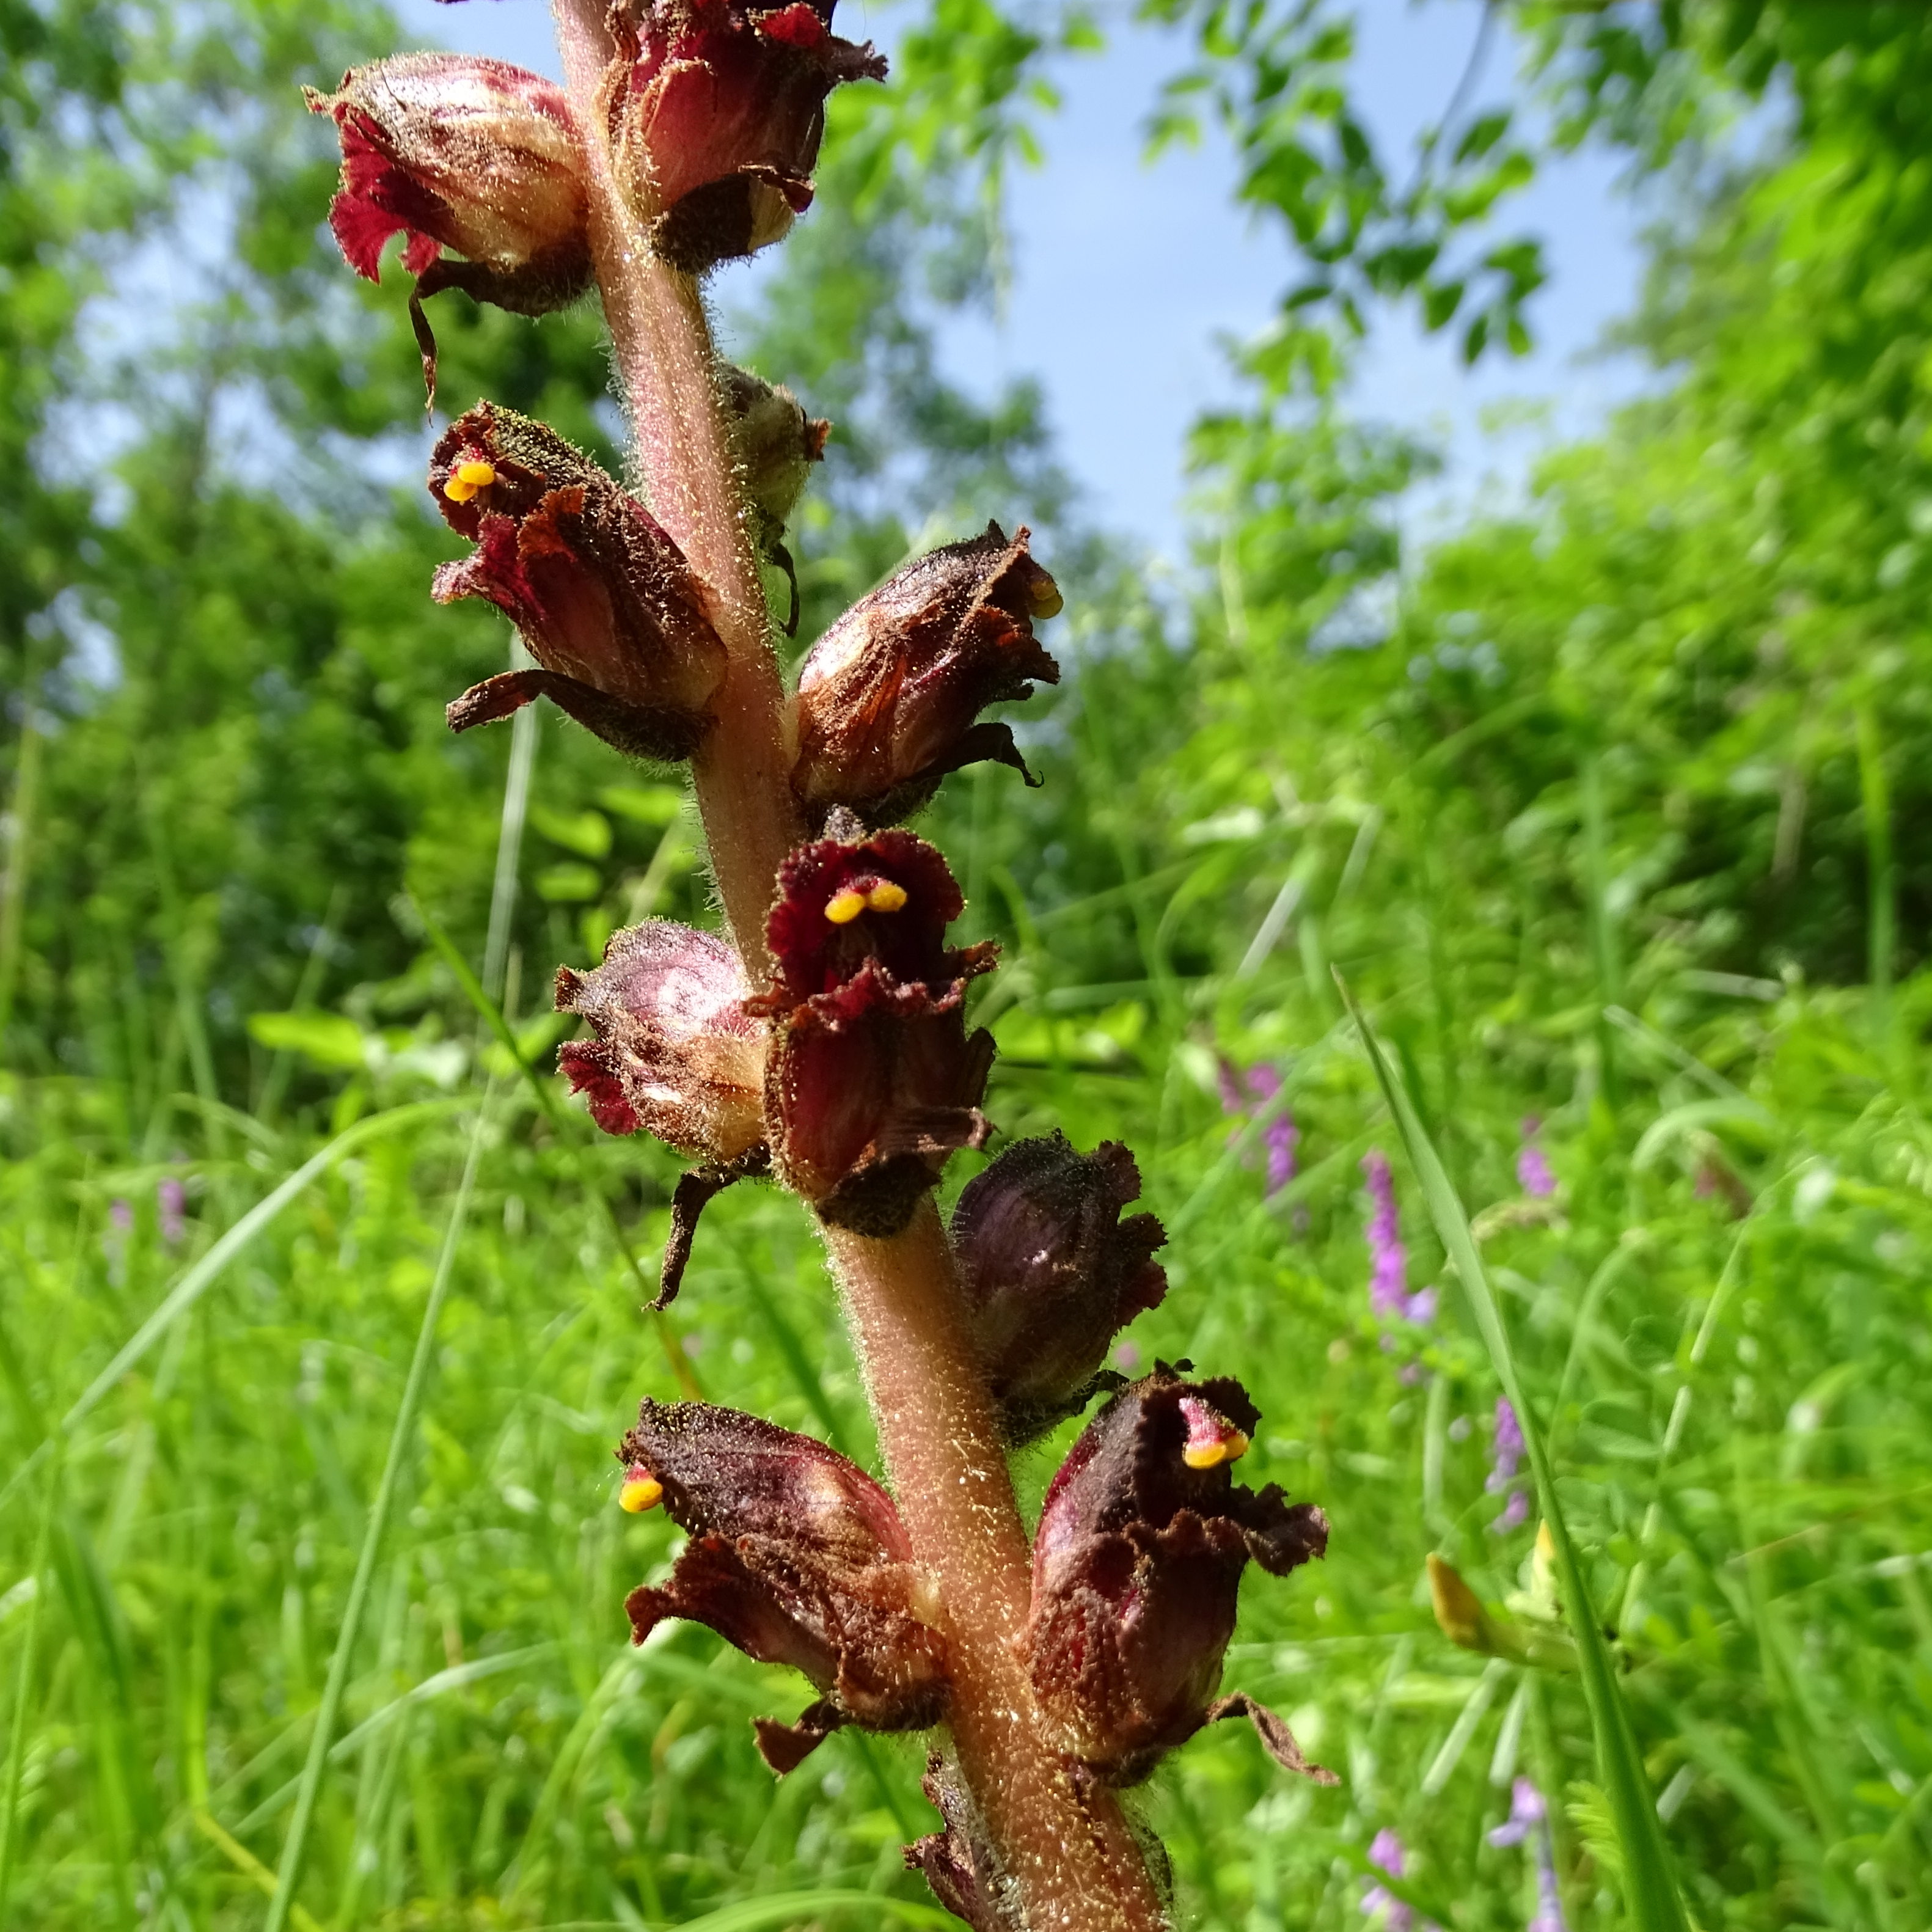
676	1054
473	155
776	444
872	1080
1137	1560
606	604
716	110
797	1556
1051	1273
888	698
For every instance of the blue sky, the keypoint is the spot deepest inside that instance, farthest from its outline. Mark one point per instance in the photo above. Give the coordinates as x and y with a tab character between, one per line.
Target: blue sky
1128	277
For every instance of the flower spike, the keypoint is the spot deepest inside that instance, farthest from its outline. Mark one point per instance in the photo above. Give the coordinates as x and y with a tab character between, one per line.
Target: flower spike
797	1556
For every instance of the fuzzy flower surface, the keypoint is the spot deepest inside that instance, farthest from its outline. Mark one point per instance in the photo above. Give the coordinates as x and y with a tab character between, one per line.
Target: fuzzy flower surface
716	110
795	1556
1142	1540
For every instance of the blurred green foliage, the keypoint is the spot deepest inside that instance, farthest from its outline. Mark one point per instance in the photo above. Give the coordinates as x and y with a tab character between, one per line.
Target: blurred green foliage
1605	807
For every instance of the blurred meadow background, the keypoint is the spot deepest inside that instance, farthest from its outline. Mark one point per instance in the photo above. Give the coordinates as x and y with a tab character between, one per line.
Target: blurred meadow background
1598	779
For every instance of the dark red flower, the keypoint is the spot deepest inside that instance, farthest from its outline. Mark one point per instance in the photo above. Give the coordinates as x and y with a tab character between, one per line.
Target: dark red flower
889	697
1051	1273
1137	1560
605	601
872	1080
797	1556
716	110
473	155
675	1054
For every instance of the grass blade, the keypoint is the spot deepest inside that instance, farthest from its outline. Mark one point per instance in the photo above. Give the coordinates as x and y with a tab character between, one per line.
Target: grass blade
202	1276
785	1908
400	1438
1650	1885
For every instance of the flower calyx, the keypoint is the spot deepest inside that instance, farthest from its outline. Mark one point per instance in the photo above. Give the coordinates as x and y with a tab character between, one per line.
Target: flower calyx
797	1556
619	623
873	1080
1051	1273
472	155
888	698
715	109
1137	1560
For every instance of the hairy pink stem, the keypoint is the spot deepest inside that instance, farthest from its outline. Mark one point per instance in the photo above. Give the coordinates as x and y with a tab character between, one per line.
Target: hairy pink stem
1075	1863
666	374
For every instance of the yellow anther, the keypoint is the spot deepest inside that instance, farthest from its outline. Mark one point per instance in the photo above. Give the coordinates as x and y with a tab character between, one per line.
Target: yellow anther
476	472
1228	1448
458	491
842	908
886	896
640	1491
1045	598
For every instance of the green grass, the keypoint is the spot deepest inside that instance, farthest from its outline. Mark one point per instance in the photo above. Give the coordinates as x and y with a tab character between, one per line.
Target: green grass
1734	1407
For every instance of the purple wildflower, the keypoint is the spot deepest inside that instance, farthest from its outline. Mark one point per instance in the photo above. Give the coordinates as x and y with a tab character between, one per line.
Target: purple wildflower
1533	1173
1506	1452
1529	1818
1252	1091
1505	1462
1385	1854
120	1217
1388	1278
171	1201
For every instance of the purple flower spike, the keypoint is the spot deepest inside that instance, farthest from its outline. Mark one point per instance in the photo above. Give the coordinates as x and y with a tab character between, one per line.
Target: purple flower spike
1388	1279
1529	1819
120	1215
1506	1452
1385	1854
1251	1091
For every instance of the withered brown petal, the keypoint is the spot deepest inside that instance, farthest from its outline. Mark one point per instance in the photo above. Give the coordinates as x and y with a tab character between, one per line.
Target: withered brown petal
797	1557
889	697
601	594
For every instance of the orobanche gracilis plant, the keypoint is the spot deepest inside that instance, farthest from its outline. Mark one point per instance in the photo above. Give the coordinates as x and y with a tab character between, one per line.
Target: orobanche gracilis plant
822	1042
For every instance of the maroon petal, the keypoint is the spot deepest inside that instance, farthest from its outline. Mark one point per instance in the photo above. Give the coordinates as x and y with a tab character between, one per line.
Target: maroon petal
1052	1272
888	698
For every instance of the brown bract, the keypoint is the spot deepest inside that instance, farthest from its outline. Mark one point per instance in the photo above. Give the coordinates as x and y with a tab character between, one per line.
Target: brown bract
872	1080
715	113
958	1862
614	616
473	155
1137	1562
888	698
1051	1273
797	1557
